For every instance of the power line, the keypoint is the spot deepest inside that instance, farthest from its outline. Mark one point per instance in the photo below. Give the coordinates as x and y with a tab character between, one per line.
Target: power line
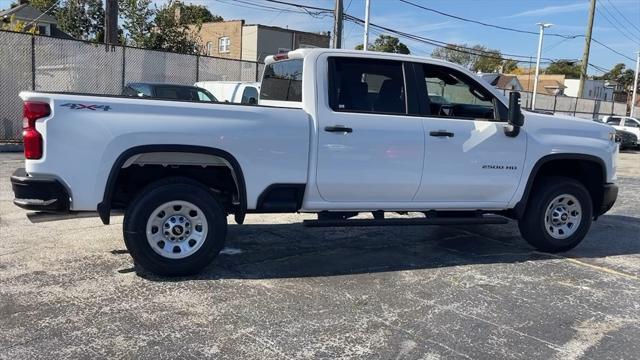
623	16
437	43
511	29
605	13
611	49
522	31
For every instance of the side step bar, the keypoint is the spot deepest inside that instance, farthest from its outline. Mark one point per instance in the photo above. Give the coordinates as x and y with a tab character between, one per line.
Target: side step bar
476	220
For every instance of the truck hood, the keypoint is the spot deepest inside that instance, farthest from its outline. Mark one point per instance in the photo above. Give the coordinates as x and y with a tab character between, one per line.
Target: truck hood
566	125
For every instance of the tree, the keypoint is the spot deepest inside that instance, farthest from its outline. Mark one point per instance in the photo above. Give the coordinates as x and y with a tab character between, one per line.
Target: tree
386	43
137	20
568	68
169	35
476	58
486	60
82	19
509	66
621	75
453	53
18	26
190	14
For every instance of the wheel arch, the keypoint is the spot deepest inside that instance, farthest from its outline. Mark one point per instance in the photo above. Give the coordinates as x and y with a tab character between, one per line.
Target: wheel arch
104	207
550	165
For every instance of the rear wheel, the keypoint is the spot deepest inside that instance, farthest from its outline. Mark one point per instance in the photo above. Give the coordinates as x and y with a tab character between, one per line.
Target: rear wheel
558	215
174	227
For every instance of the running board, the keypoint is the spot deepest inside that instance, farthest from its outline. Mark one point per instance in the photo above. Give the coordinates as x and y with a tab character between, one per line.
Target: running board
477	220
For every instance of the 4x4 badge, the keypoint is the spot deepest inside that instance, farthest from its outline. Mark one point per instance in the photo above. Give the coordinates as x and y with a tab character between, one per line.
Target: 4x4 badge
93	107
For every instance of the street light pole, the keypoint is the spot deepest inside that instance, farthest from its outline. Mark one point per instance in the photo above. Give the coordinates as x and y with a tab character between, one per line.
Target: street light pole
535	80
367	9
635	86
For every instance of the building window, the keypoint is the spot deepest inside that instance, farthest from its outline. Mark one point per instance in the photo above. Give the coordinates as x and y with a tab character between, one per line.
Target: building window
209	48
223	44
42	30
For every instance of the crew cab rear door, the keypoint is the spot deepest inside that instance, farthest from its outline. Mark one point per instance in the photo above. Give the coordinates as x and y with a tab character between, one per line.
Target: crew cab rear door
468	159
369	148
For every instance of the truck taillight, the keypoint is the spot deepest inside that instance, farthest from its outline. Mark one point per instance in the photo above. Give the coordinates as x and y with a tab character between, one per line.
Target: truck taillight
33	111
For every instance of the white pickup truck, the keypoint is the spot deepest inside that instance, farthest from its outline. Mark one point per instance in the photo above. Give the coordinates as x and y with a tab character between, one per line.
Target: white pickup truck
335	133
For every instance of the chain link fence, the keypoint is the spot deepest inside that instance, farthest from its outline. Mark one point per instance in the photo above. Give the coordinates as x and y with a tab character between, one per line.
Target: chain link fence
579	107
42	63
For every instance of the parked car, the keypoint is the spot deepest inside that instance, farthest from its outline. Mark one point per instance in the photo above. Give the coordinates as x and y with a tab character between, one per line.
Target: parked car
233	91
169	92
627	140
625	124
341	132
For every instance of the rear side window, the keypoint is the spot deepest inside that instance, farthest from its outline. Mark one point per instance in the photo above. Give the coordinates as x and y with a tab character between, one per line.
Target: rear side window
250	95
282	81
614	121
631	123
367	85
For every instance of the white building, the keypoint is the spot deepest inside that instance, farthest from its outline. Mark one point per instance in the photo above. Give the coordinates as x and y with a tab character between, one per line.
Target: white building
593	89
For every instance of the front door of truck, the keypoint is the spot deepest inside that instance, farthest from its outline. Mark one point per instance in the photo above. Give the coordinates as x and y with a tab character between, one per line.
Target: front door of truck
468	158
369	148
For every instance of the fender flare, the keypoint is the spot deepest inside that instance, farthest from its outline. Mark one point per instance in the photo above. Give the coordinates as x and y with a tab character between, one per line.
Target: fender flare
104	207
522	204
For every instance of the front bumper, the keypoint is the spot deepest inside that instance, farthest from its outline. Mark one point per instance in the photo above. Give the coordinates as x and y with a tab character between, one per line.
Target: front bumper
609	196
39	193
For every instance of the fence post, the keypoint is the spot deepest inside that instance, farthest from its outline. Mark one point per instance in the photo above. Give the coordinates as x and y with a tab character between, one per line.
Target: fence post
33	62
257	72
555	101
575	108
197	67
124	61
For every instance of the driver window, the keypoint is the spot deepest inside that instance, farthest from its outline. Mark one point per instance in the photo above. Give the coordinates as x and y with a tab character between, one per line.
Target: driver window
452	94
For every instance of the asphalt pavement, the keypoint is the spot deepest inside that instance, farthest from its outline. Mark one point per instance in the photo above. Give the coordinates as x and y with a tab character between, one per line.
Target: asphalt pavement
68	289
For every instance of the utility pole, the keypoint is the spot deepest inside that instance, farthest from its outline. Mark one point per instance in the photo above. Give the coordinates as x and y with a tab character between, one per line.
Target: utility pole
111	22
337	25
367	10
587	46
635	86
535	79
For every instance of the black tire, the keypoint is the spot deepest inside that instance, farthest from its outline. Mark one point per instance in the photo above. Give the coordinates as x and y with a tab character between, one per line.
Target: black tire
532	224
150	199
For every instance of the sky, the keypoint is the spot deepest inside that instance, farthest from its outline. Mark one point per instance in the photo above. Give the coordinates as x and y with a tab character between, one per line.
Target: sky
569	17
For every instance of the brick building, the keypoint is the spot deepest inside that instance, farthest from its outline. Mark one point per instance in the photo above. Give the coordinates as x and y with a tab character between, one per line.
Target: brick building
253	42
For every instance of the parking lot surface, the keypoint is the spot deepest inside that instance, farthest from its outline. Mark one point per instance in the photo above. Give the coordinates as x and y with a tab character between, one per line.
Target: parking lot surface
68	289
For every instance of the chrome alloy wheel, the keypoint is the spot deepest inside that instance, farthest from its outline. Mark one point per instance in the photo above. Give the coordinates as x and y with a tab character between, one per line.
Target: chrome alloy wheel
176	229
563	216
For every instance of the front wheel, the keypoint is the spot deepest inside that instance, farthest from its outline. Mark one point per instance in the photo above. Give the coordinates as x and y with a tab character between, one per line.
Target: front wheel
558	215
174	227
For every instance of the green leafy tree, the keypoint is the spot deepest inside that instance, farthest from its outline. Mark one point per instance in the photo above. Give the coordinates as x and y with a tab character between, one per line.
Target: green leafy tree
190	14
44	5
454	53
386	43
486	60
170	35
621	75
509	66
137	19
476	58
18	26
82	19
568	68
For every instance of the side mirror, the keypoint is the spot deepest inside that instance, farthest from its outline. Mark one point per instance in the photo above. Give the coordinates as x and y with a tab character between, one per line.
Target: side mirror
515	118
